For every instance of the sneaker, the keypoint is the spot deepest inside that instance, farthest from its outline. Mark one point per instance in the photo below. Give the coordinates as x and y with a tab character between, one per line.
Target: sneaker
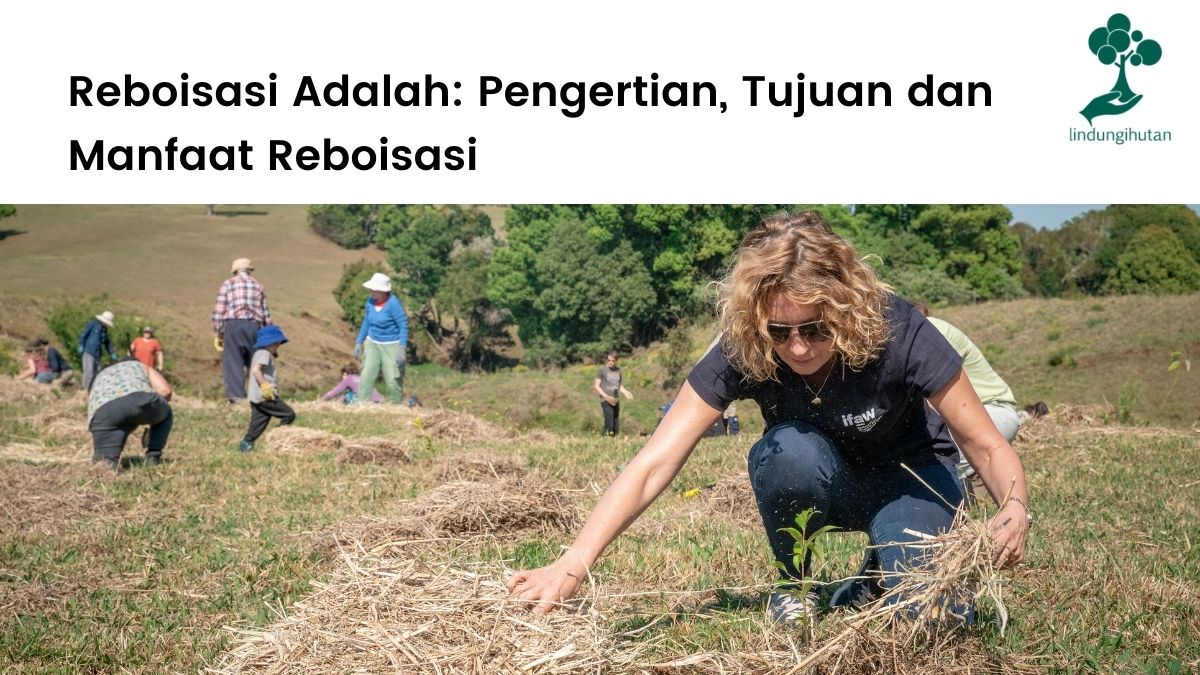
789	609
864	587
246	446
152	460
857	593
109	462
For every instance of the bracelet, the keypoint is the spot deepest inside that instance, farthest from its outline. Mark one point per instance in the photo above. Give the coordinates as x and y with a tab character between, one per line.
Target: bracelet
1014	498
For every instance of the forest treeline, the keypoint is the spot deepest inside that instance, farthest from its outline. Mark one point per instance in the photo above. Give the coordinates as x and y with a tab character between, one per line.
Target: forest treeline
577	280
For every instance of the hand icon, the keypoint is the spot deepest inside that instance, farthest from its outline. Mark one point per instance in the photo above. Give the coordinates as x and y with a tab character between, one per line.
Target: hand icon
1108	104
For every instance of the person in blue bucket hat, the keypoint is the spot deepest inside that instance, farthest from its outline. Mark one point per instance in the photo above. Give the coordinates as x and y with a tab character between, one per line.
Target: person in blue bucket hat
263	391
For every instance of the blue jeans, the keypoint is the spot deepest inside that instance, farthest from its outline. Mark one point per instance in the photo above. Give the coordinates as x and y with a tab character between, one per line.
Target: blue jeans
795	467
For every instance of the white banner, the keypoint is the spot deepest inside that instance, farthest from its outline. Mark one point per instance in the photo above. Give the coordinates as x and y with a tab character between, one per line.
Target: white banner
237	102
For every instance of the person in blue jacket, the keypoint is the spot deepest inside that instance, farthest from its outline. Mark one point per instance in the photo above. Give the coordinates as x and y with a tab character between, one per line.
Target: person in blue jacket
92	341
382	340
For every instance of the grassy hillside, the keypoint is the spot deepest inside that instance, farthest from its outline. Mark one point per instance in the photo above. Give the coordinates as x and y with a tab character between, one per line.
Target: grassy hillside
164	263
218	559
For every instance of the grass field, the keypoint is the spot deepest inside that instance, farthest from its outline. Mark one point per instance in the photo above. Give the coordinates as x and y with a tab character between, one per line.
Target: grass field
152	569
202	562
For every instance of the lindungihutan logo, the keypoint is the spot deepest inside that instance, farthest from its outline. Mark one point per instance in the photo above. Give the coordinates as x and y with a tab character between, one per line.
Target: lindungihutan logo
1117	44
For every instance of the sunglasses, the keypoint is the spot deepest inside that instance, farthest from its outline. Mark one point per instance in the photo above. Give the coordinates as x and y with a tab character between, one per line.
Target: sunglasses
812	331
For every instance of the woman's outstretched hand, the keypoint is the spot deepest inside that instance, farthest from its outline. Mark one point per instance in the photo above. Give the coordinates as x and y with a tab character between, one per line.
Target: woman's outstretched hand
544	589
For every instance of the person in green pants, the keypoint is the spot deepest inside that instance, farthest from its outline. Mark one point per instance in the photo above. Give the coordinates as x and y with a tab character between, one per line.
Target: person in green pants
382	340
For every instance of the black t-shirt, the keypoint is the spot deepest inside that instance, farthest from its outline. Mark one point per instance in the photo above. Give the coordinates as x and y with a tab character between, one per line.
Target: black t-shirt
876	416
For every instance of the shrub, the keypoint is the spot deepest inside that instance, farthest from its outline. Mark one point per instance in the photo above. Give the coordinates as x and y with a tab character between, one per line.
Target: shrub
349	292
68	319
9	363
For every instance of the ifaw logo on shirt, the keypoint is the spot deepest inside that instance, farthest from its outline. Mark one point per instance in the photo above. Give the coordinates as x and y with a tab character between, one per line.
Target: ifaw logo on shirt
865	421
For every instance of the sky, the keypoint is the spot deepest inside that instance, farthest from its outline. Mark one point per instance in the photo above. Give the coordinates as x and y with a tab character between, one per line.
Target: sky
1052	216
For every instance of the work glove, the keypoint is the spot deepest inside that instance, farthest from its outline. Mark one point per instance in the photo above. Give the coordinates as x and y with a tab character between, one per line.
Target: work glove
219	343
269	392
80	348
401	354
358	351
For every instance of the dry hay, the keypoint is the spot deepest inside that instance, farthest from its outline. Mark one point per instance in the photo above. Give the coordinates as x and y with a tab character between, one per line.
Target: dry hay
958	569
379	614
295	440
36	453
374	450
457	427
1082	415
353	409
731	497
507	505
368	533
45	499
60	419
13	390
470	466
456	510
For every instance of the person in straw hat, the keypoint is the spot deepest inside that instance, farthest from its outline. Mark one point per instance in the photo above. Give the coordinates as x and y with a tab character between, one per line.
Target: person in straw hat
94	341
859	395
240	310
382	340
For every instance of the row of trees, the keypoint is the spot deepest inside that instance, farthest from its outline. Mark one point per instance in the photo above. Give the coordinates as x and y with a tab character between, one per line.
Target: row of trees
577	280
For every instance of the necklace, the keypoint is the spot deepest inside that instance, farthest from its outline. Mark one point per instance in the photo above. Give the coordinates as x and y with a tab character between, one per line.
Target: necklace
816	400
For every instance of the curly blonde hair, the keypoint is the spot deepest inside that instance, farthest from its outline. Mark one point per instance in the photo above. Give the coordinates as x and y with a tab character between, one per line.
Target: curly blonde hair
799	257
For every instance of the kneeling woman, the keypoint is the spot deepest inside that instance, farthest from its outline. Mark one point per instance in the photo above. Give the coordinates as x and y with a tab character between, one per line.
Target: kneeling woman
124	396
852	382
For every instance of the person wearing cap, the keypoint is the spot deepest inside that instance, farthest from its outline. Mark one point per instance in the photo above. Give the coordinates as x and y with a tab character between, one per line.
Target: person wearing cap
124	396
265	401
382	340
240	311
147	349
92	341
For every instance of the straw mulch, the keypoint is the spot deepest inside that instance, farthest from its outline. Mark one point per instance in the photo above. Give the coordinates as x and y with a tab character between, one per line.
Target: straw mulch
730	497
60	419
13	390
457	510
457	427
375	450
469	466
380	614
36	453
354	409
1081	415
369	533
507	505
48	499
295	440
958	568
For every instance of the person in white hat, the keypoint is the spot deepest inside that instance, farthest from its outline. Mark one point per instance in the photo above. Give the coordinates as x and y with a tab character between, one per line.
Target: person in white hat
241	309
382	339
92	342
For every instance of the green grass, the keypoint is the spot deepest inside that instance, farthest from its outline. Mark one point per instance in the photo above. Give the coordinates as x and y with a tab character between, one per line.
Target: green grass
150	580
215	539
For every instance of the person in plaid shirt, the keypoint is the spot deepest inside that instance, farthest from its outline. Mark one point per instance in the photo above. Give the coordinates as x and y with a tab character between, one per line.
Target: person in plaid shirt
241	309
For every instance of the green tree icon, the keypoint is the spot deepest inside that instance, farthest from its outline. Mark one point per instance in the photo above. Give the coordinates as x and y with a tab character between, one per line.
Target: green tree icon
1116	44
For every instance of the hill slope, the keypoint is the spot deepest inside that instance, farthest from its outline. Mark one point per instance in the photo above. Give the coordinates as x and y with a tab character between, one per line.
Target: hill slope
164	264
